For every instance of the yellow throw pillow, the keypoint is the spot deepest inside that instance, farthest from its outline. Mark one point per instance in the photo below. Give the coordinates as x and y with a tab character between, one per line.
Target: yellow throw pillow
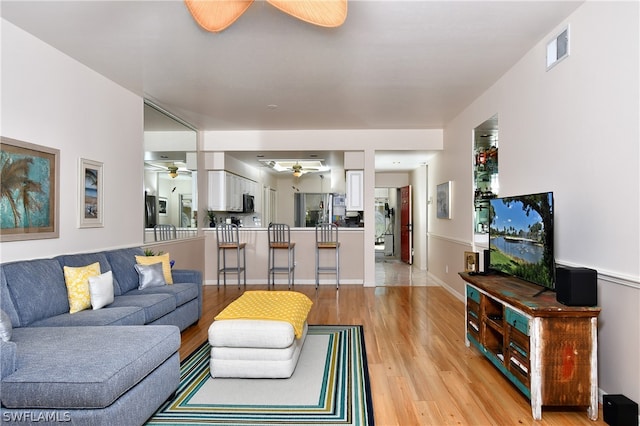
166	265
77	281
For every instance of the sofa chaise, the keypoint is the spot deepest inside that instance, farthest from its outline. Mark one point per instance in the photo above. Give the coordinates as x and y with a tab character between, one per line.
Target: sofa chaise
112	365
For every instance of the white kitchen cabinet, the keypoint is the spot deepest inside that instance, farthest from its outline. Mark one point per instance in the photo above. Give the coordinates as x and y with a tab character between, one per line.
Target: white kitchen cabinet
217	191
226	190
355	190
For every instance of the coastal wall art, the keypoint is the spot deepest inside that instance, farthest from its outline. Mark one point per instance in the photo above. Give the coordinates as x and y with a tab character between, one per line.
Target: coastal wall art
443	197
29	191
90	197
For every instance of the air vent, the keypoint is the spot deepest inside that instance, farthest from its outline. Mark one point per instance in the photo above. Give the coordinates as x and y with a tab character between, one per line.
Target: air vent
558	48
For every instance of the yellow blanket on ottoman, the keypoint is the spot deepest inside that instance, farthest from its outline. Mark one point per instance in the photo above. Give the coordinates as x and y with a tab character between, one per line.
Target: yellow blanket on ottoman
289	306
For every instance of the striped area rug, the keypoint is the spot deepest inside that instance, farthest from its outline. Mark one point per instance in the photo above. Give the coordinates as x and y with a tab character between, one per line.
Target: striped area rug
330	386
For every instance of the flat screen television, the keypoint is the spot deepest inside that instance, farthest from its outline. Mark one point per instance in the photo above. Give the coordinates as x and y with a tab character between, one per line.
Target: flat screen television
521	238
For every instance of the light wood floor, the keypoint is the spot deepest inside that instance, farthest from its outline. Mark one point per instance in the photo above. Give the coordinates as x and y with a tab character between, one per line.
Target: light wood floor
420	369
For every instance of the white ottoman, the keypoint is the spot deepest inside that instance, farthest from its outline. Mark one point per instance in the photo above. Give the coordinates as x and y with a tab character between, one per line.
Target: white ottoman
252	348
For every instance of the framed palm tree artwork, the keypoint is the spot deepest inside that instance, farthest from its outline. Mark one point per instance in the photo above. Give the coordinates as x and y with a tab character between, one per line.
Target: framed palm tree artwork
90	194
29	191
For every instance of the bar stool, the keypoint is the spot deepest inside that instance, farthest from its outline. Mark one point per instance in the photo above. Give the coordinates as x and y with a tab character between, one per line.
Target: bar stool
327	239
164	232
280	239
228	239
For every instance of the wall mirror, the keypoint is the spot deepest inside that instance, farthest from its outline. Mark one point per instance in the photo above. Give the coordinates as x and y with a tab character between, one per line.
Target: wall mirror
170	176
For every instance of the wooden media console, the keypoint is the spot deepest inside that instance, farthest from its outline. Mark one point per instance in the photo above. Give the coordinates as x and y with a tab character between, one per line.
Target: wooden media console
546	349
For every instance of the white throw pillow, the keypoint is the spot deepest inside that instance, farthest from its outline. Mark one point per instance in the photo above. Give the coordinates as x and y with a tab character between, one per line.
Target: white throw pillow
101	289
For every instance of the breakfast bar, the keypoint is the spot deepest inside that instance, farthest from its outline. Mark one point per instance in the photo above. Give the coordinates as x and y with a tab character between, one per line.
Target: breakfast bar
257	243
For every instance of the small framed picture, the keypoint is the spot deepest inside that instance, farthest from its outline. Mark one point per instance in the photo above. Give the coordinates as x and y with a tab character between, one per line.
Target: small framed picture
443	198
90	194
471	259
162	206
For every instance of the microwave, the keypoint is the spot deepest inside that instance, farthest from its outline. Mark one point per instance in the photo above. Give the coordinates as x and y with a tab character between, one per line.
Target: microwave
247	203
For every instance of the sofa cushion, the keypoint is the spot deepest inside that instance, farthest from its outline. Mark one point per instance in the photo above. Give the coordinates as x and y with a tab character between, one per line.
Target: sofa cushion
191	277
6	303
38	288
6	328
126	315
183	292
155	305
77	281
162	258
7	358
106	361
101	290
124	274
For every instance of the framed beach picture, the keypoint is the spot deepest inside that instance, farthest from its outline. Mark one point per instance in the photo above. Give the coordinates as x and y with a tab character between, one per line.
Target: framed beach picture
29	197
90	194
443	196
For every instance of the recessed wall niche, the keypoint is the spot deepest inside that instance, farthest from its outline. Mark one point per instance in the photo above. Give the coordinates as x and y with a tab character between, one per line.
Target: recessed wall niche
485	172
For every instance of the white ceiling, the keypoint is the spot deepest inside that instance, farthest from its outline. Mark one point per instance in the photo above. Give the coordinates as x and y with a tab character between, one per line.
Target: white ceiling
392	65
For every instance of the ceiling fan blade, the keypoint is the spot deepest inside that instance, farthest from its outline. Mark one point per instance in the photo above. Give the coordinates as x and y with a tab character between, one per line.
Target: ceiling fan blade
324	13
216	15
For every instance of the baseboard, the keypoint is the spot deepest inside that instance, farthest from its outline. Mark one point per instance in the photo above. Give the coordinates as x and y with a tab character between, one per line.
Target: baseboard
446	286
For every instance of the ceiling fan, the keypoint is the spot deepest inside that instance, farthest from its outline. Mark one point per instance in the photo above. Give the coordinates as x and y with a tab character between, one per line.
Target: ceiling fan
172	169
296	167
217	15
297	170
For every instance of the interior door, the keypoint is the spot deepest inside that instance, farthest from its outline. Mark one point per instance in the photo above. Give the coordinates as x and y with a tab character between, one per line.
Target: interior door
406	226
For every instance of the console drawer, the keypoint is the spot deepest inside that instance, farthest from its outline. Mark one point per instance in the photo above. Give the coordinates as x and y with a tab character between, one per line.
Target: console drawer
517	320
473	294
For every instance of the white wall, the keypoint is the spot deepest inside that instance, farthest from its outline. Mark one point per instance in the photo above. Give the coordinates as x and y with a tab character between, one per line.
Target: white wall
329	140
573	130
50	99
391	180
419	216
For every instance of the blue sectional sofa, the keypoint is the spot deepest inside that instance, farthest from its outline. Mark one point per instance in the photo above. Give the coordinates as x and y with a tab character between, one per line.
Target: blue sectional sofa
114	365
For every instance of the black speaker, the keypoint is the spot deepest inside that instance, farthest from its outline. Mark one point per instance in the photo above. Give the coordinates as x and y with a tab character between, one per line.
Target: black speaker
618	410
576	286
485	261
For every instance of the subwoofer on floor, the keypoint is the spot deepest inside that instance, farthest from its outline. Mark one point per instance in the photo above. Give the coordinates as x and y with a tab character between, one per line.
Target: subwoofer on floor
576	286
618	410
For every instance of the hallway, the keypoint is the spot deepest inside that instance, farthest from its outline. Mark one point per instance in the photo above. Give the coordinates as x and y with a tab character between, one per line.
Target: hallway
390	271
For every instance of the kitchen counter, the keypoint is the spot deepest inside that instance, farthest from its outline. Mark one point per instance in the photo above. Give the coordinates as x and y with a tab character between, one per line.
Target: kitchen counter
256	239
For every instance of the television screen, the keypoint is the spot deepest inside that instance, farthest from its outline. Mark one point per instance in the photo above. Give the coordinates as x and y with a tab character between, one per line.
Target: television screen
521	237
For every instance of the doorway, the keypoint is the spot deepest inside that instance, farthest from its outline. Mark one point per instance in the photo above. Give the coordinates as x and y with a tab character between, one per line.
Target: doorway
390	269
387	238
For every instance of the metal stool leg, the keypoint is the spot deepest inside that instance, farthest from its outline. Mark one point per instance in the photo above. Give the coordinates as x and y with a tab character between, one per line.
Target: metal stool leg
244	265
218	266
269	274
224	266
293	270
317	267
337	267
238	266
